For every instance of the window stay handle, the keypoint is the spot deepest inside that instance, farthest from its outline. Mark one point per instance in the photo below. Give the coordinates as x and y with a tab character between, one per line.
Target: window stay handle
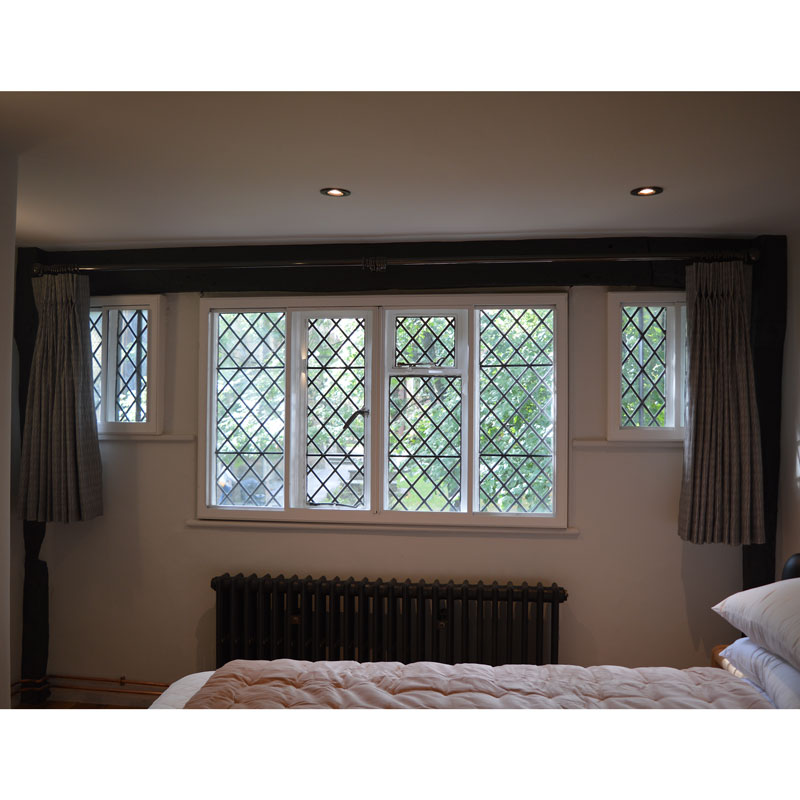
351	418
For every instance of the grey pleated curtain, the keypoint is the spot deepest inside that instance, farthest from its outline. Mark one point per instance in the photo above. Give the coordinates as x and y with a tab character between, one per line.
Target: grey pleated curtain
722	489
60	477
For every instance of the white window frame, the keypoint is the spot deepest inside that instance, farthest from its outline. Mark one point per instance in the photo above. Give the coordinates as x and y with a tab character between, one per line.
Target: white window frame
461	370
675	303
154	304
379	311
298	433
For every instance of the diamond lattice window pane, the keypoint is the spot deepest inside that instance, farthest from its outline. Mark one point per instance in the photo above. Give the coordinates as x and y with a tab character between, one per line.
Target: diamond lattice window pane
96	339
336	433
130	393
644	367
424	467
425	341
250	419
517	410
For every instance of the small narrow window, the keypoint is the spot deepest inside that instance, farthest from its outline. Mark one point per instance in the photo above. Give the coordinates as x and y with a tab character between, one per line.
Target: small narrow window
124	335
646	343
96	337
130	363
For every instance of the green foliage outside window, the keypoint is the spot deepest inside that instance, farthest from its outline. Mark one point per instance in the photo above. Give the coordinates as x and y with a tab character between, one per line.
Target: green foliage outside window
644	366
516	428
515	404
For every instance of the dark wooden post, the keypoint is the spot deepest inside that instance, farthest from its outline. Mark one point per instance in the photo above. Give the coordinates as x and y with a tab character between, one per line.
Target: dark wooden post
35	592
768	329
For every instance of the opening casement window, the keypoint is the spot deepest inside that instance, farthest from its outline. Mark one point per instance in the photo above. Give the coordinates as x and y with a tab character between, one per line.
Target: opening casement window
125	363
646	365
436	410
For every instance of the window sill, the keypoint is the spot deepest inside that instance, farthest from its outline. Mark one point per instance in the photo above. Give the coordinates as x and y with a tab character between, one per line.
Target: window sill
391	528
627	444
146	437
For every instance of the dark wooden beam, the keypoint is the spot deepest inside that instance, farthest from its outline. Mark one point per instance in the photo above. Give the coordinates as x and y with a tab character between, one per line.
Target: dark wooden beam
394	266
400	253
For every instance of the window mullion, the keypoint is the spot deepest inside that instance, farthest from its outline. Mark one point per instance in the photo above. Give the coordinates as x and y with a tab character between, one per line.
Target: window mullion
299	389
288	417
680	366
110	368
471	424
672	367
379	433
369	379
211	405
104	348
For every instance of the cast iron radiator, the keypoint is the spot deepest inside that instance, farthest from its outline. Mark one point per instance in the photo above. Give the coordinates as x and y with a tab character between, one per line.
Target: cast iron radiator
317	619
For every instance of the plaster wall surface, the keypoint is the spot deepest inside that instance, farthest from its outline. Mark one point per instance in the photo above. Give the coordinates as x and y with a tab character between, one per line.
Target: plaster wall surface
130	591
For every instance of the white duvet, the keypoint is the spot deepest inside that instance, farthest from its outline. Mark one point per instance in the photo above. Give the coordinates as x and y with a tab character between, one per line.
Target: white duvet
285	683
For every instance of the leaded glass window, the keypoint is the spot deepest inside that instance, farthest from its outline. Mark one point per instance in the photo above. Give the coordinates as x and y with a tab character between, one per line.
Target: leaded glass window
123	336
425	341
647	365
517	410
96	339
130	385
425	443
336	412
644	366
442	412
250	409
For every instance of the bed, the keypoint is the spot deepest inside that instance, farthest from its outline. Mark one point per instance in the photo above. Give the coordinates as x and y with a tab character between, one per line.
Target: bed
760	670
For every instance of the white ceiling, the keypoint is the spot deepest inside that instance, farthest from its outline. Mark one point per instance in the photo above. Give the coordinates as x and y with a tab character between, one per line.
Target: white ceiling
139	169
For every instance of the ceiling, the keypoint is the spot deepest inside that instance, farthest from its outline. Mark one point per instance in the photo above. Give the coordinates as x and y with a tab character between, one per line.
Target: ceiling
141	169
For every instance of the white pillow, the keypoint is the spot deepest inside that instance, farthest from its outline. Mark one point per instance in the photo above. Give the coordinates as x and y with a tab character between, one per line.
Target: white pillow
769	615
779	680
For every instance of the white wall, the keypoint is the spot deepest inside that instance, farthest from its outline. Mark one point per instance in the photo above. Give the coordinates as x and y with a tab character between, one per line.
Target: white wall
789	499
8	216
131	595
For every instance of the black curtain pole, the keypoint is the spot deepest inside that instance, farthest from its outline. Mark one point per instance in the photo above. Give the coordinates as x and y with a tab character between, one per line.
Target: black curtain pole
378	263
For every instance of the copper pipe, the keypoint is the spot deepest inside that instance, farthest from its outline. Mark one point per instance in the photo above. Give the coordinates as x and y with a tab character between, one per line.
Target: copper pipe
122	681
103	689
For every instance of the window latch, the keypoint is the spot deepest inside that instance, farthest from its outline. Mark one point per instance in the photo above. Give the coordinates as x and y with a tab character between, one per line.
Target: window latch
352	417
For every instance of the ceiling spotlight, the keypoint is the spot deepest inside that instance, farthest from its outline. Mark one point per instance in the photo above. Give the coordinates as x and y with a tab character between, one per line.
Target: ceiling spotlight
333	191
646	191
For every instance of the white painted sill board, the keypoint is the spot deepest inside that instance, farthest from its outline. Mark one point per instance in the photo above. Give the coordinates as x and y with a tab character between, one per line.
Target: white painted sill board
146	437
617	444
379	528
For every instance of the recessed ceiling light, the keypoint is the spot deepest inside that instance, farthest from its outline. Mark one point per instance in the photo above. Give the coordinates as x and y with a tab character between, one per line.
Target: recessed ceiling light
646	191
334	191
